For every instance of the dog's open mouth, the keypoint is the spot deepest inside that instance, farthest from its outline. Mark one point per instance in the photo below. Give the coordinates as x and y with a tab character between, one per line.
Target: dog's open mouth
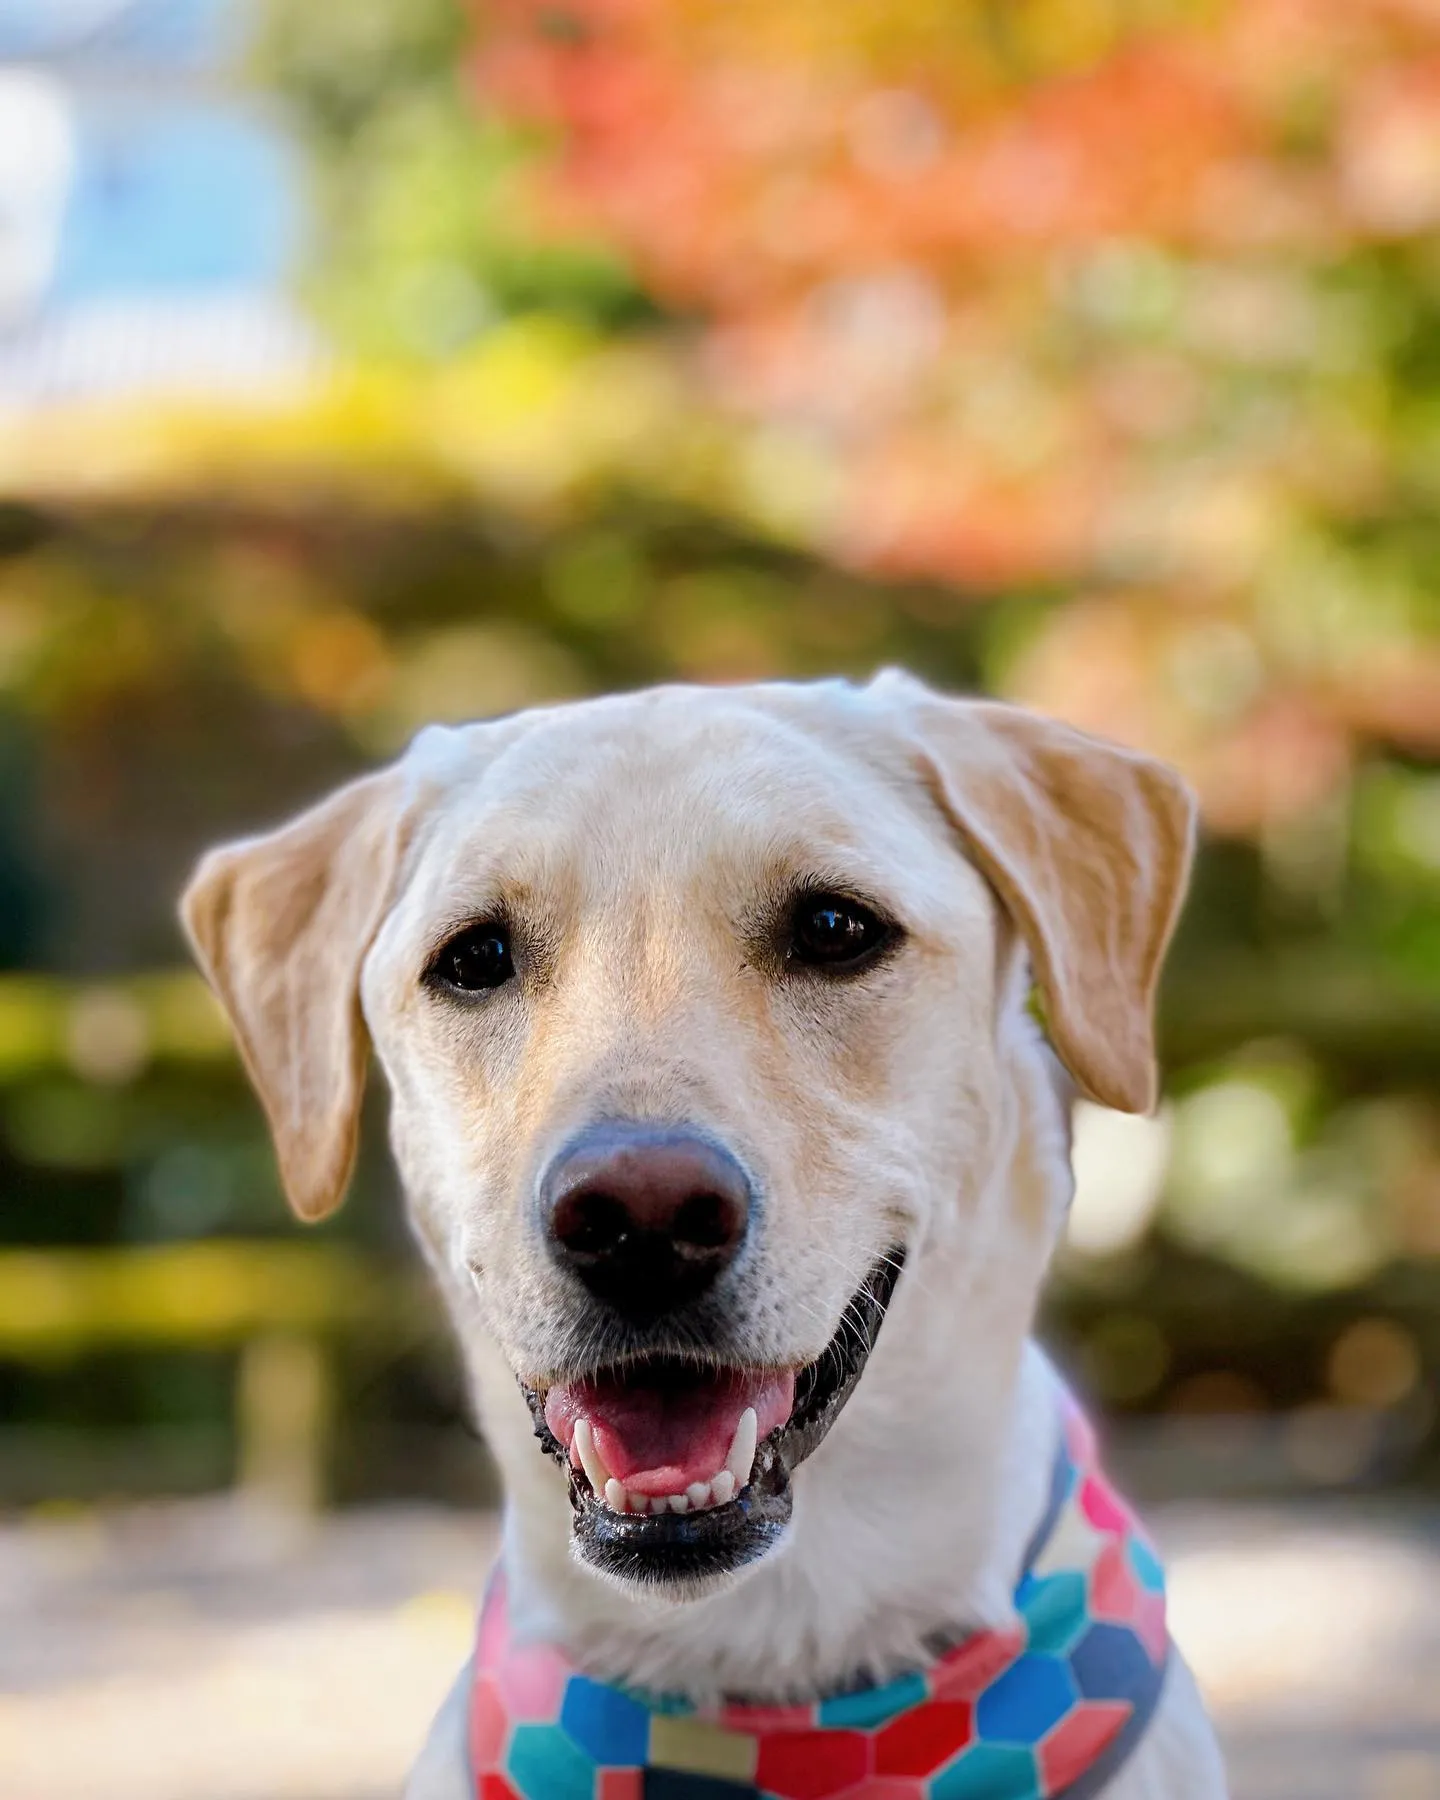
680	1469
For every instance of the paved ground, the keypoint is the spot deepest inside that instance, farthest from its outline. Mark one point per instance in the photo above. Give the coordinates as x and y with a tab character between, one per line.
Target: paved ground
194	1653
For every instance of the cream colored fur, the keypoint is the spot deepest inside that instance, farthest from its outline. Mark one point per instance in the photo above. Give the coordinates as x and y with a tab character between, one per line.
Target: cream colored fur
641	842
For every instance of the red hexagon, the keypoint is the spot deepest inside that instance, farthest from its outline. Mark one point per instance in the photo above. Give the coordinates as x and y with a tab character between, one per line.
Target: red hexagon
886	1790
621	1784
1077	1740
923	1740
807	1765
966	1671
496	1787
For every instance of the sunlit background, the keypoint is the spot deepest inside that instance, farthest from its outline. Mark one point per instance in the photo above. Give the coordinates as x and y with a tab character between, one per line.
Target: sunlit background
379	361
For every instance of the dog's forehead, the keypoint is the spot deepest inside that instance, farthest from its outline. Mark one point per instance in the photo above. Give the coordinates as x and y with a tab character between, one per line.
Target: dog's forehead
680	773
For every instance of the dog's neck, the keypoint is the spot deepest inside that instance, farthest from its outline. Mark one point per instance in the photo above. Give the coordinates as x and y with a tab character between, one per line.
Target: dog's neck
910	1520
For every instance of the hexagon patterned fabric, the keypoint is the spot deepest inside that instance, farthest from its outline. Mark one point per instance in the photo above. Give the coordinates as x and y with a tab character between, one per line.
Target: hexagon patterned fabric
1046	1710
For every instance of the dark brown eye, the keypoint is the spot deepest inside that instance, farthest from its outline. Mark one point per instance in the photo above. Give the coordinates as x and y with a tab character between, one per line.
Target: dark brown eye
478	957
830	932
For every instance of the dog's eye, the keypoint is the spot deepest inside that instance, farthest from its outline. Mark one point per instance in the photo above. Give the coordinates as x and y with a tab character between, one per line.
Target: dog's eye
478	957
830	932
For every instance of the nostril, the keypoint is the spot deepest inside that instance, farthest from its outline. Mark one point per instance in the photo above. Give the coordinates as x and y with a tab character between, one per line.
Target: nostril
591	1224
647	1219
704	1223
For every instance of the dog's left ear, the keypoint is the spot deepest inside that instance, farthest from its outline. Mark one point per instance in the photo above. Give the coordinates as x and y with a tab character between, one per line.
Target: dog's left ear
1088	847
281	925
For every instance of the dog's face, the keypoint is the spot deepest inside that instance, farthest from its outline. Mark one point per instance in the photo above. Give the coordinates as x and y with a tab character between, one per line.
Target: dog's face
689	1004
682	1013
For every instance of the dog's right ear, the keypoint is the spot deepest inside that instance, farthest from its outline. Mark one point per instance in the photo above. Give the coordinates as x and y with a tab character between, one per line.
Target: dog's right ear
281	924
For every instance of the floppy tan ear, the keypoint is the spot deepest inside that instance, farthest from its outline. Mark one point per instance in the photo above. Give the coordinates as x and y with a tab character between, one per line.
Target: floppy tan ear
281	924
1088	847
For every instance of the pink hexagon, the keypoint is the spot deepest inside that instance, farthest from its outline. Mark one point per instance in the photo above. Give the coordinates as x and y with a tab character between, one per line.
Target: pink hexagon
1077	1740
532	1680
488	1725
1149	1623
494	1625
966	1671
1101	1507
1113	1588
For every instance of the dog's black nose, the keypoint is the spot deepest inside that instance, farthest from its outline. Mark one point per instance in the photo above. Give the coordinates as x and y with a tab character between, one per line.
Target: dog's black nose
647	1217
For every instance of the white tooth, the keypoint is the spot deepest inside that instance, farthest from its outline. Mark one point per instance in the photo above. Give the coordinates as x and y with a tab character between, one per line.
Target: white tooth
741	1459
659	1503
698	1494
590	1458
640	1503
679	1503
615	1496
723	1488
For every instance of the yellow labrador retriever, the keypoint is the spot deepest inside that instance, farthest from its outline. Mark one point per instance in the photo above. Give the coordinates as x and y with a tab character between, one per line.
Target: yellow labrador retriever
704	1014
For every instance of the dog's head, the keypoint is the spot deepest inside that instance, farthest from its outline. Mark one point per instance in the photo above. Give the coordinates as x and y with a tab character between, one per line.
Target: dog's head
690	1002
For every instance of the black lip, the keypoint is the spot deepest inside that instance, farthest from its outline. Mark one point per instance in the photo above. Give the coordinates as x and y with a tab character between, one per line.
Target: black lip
691	1548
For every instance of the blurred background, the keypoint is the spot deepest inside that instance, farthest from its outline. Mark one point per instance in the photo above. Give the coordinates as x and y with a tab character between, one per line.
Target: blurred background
391	360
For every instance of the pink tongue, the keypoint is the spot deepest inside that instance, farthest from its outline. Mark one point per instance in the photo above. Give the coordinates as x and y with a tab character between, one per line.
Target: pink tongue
660	1440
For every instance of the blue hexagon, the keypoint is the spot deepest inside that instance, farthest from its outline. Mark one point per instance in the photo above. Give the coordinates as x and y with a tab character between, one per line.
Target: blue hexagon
1054	1608
1022	1705
869	1707
1111	1663
545	1765
989	1772
614	1728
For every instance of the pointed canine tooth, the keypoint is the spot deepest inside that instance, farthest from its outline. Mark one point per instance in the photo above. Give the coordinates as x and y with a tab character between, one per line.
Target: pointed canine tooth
741	1459
723	1488
590	1458
698	1494
679	1503
615	1496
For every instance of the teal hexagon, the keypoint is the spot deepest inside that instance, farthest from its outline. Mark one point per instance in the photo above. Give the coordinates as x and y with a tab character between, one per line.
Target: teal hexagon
1054	1608
869	1707
545	1764
989	1772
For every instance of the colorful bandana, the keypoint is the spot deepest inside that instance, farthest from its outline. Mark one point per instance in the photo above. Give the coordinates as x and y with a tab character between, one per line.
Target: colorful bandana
1048	1708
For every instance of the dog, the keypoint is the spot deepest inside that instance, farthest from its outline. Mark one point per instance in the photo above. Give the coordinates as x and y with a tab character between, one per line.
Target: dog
731	1135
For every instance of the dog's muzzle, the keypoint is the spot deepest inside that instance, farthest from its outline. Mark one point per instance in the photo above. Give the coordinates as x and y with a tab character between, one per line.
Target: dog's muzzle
680	1467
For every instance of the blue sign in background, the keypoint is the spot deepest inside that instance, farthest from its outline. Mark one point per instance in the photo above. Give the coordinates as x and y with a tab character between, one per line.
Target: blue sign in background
179	182
197	197
166	32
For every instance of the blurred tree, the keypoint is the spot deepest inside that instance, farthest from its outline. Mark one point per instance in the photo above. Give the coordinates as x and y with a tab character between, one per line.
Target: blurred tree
1081	352
428	234
1135	303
